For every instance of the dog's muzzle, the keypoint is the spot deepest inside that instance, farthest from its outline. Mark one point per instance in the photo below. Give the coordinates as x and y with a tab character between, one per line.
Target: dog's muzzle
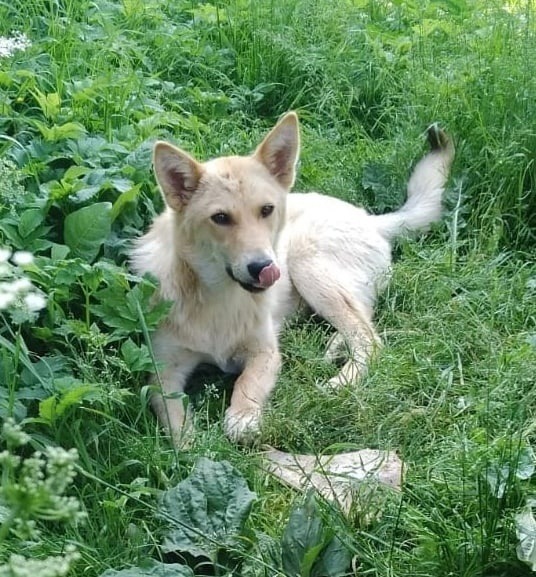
263	274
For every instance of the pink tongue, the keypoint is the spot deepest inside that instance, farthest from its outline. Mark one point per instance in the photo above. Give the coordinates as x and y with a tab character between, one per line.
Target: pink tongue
268	275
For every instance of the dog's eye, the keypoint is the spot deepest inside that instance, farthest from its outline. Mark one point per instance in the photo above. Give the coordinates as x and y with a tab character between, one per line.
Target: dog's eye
222	218
267	210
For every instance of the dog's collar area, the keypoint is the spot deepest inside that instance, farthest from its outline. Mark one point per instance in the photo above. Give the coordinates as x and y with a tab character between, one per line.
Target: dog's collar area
246	286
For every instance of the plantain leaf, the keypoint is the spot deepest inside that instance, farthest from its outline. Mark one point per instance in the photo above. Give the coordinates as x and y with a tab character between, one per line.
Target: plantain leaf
152	569
308	548
87	229
206	511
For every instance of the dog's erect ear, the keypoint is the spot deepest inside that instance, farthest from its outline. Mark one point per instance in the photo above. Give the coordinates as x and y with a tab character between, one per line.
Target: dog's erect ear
177	174
280	148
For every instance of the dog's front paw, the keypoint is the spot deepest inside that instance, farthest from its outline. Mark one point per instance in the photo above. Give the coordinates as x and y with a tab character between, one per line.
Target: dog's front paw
242	426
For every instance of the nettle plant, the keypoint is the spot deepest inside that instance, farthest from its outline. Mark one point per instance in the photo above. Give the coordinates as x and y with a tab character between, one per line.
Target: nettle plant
64	297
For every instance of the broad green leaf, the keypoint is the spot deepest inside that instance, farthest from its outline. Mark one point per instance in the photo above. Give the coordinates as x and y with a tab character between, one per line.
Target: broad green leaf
265	560
87	229
5	79
37	245
84	193
93	278
334	560
11	233
303	536
309	559
47	409
206	511
152	569
76	396
12	407
59	132
75	172
377	179
67	272
124	198
308	548
119	307
136	358
121	184
59	252
46	372
50	104
29	220
52	407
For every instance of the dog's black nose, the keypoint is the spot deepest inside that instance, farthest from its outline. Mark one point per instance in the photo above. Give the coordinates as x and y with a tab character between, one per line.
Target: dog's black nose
255	267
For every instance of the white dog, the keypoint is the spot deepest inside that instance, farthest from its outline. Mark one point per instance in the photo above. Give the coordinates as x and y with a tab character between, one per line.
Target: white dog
236	253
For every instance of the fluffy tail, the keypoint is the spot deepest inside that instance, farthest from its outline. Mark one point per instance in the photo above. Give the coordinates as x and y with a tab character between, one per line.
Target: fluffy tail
425	189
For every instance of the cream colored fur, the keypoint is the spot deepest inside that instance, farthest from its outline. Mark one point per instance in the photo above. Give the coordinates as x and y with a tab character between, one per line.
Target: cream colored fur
327	253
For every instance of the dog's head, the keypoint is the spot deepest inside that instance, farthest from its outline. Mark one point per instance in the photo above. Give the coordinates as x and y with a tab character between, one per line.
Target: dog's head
230	210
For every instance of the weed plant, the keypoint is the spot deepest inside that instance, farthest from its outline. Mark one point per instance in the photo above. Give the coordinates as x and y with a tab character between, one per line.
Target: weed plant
85	89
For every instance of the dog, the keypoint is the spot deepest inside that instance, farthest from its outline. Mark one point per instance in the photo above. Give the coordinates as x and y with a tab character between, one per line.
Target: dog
236	253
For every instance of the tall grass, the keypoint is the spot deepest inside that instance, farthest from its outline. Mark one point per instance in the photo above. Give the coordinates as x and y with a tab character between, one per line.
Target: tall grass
453	388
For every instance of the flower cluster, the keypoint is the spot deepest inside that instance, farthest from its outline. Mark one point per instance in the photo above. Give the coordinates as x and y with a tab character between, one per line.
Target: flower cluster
33	489
17	294
8	46
13	434
19	566
36	485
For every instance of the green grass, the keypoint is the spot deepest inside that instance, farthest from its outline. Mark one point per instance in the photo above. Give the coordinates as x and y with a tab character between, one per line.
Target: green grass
452	390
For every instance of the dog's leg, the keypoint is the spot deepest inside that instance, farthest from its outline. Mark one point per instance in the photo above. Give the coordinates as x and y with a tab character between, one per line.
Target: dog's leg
351	319
359	335
169	403
336	349
252	388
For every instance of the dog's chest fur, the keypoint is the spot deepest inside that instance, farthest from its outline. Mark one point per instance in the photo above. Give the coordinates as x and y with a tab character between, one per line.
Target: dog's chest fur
221	325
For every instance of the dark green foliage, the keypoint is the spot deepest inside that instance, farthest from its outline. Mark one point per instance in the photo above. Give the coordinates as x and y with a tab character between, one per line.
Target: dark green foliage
206	517
308	548
206	511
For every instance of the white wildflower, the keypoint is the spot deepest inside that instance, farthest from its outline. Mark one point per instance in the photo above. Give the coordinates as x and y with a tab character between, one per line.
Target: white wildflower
8	46
61	469
22	258
9	461
58	566
19	285
6	299
34	302
18	295
33	471
13	434
5	254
